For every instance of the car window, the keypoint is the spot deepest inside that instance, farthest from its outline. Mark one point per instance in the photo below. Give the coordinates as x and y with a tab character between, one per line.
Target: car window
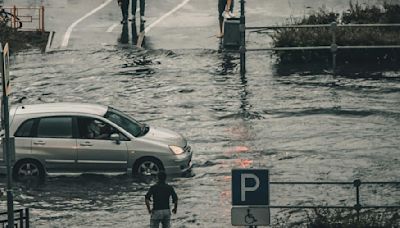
55	127
25	130
126	122
91	128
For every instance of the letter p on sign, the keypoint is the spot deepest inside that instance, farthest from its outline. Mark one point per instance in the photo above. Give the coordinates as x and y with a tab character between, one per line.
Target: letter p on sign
244	188
250	187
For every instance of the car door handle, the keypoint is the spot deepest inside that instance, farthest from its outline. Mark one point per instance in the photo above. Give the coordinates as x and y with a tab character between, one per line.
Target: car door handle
86	144
39	143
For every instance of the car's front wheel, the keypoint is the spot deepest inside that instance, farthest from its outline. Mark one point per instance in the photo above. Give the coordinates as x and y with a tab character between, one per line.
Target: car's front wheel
147	167
28	171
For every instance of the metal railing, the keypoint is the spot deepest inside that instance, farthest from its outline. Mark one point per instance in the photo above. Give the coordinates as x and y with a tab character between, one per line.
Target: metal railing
32	18
358	206
333	47
21	219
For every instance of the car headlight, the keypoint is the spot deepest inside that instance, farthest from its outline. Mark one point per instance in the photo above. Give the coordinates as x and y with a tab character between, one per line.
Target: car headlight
176	150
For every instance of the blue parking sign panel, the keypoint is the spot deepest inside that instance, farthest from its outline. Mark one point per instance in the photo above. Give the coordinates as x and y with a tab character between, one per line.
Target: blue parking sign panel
250	187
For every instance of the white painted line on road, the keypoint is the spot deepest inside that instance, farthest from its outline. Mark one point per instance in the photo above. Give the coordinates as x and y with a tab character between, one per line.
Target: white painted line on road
112	27
69	30
148	28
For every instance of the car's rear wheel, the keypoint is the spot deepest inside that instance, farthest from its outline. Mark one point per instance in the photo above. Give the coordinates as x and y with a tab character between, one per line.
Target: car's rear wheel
147	167
29	171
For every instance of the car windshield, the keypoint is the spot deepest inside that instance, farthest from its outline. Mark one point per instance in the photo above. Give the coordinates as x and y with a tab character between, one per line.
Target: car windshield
126	122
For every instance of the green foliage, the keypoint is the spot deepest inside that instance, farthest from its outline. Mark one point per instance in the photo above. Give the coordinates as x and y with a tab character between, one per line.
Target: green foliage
345	36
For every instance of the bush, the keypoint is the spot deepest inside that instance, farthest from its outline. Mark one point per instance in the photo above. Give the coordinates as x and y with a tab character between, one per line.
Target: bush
345	36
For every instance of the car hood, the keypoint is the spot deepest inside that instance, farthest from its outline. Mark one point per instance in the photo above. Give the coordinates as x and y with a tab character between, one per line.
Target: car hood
166	136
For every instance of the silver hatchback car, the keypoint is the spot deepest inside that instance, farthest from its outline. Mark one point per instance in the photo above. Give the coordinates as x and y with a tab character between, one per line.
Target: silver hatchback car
78	137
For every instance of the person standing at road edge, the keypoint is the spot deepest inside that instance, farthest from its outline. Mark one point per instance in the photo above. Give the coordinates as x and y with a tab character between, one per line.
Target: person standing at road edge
160	193
124	4
225	9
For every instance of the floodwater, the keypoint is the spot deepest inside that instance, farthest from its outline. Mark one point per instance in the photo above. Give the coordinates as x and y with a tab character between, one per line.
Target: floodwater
302	127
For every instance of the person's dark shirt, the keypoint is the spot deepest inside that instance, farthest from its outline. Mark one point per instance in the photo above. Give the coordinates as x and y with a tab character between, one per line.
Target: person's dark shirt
161	192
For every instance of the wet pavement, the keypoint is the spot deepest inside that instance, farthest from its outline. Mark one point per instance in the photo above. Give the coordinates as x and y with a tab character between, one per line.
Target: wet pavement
304	126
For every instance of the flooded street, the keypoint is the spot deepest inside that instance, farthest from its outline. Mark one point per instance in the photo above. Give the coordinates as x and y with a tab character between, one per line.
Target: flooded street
302	127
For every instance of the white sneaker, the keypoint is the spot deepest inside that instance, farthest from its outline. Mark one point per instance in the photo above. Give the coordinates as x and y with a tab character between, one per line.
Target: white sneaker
142	19
226	14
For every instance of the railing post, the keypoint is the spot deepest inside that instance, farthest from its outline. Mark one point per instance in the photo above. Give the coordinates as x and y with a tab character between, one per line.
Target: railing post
21	218
242	39
14	20
26	217
333	46
357	207
41	19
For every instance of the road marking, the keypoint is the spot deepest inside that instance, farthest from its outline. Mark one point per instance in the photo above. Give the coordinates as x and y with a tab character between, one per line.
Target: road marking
148	28
71	27
112	27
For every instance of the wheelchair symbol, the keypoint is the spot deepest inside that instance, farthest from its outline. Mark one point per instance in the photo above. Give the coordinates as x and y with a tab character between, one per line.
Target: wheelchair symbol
249	218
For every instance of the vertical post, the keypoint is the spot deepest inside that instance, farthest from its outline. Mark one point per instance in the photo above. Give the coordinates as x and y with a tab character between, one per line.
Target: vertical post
357	207
26	217
14	20
42	19
242	39
21	218
6	139
333	46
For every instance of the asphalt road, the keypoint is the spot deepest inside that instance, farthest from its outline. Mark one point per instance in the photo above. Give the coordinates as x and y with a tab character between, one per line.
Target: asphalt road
171	24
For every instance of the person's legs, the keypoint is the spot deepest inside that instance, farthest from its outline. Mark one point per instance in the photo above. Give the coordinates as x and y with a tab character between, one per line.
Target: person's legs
155	219
124	10
228	5
221	9
166	220
142	7
134	3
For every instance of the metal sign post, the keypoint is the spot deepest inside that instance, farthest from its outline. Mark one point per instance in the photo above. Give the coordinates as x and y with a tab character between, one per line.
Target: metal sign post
250	197
4	62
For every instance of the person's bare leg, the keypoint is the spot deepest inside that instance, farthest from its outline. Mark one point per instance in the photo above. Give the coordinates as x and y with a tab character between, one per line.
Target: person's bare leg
221	24
228	5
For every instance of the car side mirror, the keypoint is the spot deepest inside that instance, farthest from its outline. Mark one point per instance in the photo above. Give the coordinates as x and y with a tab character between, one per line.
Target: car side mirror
115	137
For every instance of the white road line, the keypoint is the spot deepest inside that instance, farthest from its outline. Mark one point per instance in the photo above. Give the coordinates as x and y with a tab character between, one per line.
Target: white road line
148	28
71	27
112	27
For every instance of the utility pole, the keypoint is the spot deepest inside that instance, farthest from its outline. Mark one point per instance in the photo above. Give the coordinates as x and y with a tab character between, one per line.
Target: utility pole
242	30
4	62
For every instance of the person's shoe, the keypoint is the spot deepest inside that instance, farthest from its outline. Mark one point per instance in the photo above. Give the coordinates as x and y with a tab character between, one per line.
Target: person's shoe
231	14
142	19
226	14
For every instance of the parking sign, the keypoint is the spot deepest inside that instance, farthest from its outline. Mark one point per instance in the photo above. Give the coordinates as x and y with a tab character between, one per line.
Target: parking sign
250	187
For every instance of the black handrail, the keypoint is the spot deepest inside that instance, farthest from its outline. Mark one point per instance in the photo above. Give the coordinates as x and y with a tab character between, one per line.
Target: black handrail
22	218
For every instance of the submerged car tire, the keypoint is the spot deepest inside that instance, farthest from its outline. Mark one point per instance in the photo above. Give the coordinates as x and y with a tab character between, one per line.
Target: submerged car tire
147	166
29	171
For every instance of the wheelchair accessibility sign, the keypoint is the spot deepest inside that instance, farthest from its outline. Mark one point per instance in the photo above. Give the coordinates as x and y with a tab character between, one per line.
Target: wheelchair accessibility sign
250	216
250	197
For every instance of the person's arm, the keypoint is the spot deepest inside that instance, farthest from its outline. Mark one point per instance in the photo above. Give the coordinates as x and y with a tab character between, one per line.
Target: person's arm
174	200
147	199
148	205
